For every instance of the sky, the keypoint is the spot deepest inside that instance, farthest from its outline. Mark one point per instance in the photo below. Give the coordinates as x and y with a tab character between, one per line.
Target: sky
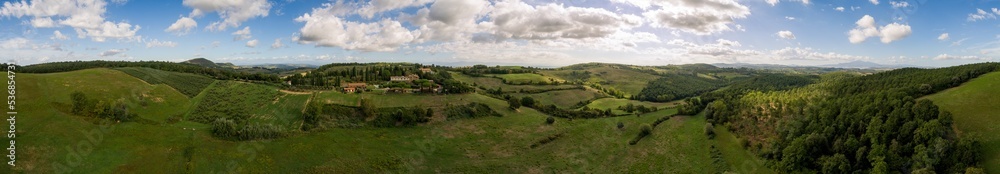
929	33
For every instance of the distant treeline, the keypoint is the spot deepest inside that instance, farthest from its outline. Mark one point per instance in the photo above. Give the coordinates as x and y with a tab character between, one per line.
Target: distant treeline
217	73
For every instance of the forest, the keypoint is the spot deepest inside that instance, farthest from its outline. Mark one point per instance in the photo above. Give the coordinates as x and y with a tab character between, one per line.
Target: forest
217	73
844	124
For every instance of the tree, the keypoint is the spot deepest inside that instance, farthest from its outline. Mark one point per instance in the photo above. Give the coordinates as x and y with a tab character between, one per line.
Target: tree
514	103
645	129
710	130
367	108
80	102
550	120
528	101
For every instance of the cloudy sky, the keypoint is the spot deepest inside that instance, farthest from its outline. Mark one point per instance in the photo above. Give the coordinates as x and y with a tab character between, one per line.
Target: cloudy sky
524	32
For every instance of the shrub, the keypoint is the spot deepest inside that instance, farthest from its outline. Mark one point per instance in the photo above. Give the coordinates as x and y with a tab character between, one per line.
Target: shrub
710	130
645	129
621	125
550	120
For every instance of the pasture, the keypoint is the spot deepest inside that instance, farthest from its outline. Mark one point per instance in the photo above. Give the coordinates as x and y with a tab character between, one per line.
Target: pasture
975	106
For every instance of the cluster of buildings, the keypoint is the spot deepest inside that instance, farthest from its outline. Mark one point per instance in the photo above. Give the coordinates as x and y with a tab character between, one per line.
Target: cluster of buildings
355	87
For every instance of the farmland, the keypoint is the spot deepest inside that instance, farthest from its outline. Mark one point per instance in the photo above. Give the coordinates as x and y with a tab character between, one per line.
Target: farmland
187	84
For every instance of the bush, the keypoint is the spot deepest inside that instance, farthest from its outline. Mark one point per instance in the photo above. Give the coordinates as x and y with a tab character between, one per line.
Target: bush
710	130
550	120
645	129
621	125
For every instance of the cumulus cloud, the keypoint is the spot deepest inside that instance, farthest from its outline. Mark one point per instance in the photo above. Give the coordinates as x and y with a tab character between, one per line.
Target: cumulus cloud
983	15
943	36
56	35
515	19
448	20
323	28
112	52
158	43
15	43
873	1
697	17
841	9
252	43
722	48
790	18
786	34
232	12
182	26
376	6
277	44
84	16
866	28
243	34
953	57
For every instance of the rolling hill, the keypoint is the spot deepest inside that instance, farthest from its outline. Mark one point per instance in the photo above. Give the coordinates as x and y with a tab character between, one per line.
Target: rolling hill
975	105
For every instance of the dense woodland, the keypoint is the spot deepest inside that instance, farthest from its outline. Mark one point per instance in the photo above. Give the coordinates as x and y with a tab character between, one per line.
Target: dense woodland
848	124
677	86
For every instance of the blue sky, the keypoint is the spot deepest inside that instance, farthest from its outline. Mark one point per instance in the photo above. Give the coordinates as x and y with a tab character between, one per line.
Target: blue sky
520	32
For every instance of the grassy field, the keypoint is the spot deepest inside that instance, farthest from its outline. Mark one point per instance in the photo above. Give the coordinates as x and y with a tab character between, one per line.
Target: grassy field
626	80
975	106
51	140
564	98
526	78
614	103
740	160
493	83
187	84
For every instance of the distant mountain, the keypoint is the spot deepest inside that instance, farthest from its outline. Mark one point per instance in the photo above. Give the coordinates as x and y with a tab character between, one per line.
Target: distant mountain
864	65
747	65
201	61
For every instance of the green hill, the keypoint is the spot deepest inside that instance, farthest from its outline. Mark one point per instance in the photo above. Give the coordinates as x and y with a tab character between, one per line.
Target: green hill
975	105
188	84
201	61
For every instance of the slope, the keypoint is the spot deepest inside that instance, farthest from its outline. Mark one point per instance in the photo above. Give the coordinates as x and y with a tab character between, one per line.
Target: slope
975	105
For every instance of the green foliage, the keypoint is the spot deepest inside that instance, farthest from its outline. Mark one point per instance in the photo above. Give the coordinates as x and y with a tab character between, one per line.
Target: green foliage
528	101
514	103
676	86
471	110
710	131
187	84
232	100
109	110
645	129
217	73
550	120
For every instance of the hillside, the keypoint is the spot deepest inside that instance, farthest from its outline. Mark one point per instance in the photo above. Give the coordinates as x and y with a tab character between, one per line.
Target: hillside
974	106
201	62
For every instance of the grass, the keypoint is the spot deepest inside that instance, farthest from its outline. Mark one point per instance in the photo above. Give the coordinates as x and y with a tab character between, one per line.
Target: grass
740	160
494	83
614	103
629	81
233	100
187	84
564	98
479	145
975	106
526	78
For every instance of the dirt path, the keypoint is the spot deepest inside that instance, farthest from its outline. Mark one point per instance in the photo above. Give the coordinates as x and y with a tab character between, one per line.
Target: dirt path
293	92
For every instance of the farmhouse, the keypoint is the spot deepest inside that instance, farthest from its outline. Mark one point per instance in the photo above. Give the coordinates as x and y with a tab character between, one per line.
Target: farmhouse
406	78
354	87
426	70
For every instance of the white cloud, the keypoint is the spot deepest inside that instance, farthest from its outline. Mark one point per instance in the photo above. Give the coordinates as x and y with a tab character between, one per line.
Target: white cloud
43	22
790	18
959	42
943	36
515	19
772	2
797	53
983	15
376	6
894	32
697	17
182	26
243	34
277	44
119	2
866	28
873	1
853	8
112	52
841	9
252	43
85	16
15	43
898	4
448	20
158	43
786	34
953	57
232	12
323	28
56	35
